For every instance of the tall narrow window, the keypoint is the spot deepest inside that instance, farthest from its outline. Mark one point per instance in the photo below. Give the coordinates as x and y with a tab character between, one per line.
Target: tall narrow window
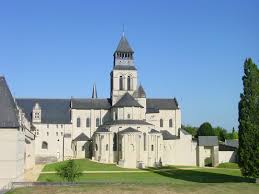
88	122
78	122
152	147
97	122
161	123
128	83
107	147
170	122
145	141
121	83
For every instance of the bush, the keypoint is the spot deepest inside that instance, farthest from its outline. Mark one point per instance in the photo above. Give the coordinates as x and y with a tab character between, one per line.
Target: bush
208	162
205	130
228	165
69	171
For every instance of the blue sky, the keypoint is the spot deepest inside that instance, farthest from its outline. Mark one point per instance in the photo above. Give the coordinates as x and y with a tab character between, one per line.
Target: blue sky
191	50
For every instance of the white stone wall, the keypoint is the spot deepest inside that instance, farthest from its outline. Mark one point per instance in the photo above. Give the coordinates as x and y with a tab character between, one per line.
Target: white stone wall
181	151
53	134
12	149
116	92
102	114
166	115
227	156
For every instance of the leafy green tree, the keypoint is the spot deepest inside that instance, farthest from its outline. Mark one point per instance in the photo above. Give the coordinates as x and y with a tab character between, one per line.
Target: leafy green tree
248	134
190	129
69	171
221	133
205	130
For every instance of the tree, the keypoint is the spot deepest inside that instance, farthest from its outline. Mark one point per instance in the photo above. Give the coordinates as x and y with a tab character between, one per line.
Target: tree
221	133
190	129
69	171
205	130
248	118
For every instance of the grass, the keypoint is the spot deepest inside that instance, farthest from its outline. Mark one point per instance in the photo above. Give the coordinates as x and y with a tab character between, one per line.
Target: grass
228	165
144	189
86	165
168	179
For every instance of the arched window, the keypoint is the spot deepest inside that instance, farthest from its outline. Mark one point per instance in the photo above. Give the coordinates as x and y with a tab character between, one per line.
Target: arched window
44	145
97	122
161	123
145	141
170	122
88	122
152	147
121	83
128	116
96	147
107	147
115	142
128	83
78	122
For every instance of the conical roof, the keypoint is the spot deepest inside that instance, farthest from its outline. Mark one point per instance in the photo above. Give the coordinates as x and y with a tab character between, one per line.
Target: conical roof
124	46
140	92
127	101
8	109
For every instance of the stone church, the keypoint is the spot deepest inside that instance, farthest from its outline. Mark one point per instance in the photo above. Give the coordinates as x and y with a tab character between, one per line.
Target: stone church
128	128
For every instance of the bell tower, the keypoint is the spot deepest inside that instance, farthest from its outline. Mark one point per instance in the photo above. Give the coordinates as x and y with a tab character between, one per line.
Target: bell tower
124	73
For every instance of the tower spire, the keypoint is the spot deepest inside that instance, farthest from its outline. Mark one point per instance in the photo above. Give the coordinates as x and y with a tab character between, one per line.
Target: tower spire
94	93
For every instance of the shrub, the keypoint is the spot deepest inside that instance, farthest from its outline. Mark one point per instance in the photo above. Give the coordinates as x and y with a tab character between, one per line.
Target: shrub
228	165
69	171
208	162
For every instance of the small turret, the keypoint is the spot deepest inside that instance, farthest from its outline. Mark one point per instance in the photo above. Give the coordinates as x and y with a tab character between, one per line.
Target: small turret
36	113
94	93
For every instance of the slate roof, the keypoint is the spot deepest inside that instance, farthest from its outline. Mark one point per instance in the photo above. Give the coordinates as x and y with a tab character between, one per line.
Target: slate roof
124	46
102	130
81	137
154	105
91	103
153	131
208	140
124	67
140	92
8	109
168	136
232	142
184	132
129	130
53	111
223	147
127	101
127	122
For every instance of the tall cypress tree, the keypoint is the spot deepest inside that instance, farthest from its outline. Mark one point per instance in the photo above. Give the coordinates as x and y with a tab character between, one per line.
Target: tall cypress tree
248	151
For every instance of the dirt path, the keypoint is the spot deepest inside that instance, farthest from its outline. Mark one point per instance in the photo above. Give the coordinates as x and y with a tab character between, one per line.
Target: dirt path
33	174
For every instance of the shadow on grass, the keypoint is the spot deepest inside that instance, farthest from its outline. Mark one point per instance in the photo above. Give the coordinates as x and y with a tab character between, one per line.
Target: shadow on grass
199	176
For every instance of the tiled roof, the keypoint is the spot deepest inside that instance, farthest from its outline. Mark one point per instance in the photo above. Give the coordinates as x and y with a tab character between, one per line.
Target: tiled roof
140	92
129	130
153	131
91	103
154	105
102	130
8	109
223	147
81	137
124	67
168	136
127	122
124	46
127	101
53	111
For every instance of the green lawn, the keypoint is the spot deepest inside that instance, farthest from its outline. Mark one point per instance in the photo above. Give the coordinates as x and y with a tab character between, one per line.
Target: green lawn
228	165
168	179
86	165
169	175
210	188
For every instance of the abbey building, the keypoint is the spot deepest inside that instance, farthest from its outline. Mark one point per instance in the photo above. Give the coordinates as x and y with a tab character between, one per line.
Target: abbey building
129	128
